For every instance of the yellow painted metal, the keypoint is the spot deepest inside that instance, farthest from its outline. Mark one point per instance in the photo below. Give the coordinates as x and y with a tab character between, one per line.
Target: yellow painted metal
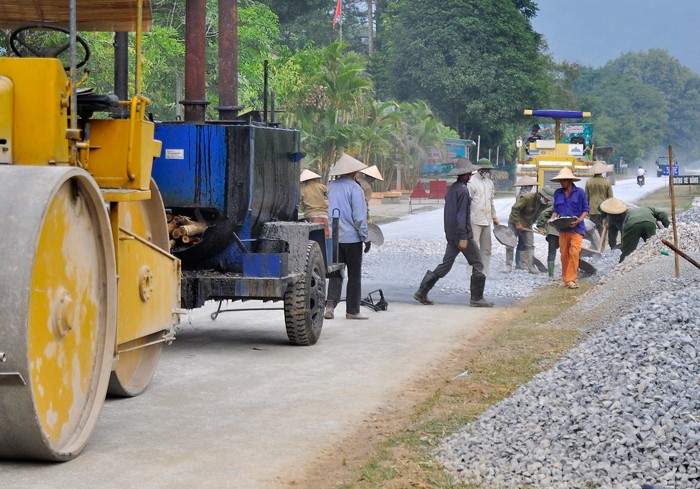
149	291
41	94
71	317
6	119
121	195
122	152
149	286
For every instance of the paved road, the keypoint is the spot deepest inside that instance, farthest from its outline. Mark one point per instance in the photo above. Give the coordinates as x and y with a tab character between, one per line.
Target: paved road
234	406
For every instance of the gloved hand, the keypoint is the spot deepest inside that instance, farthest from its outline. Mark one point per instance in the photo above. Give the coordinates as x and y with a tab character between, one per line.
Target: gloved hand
368	244
462	245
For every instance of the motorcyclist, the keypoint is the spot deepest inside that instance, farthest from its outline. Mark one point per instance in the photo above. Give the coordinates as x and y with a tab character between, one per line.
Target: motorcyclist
640	175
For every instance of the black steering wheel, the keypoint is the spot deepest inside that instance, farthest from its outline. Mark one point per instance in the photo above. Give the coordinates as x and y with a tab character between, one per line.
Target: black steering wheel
44	41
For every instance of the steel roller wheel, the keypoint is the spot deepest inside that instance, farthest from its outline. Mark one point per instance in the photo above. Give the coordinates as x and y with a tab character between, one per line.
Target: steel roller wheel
304	301
135	368
58	303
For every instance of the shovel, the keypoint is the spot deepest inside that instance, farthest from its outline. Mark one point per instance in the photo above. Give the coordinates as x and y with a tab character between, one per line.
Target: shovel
376	236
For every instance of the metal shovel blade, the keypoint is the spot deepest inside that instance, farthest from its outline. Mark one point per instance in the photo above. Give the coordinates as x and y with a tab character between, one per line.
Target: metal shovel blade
376	236
505	236
586	267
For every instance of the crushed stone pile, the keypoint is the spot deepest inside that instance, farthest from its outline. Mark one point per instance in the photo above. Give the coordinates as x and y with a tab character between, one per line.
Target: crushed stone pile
622	408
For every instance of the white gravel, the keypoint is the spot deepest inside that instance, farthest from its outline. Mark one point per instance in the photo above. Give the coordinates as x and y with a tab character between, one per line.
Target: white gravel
620	410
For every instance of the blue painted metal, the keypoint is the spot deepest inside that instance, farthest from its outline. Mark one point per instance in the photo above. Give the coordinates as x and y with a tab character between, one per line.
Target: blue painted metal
191	171
265	264
558	114
239	174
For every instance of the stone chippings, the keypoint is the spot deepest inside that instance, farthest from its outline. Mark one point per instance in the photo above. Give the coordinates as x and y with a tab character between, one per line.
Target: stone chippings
620	409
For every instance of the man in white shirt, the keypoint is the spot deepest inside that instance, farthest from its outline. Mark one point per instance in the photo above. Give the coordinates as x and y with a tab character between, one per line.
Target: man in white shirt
483	211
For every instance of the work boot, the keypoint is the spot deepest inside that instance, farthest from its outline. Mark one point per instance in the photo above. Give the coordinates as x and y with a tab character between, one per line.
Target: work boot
550	270
509	261
528	261
355	316
477	292
421	295
329	314
519	260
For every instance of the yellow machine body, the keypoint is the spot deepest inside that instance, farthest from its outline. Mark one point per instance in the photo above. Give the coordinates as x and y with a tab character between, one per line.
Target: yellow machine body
149	288
92	293
40	96
122	152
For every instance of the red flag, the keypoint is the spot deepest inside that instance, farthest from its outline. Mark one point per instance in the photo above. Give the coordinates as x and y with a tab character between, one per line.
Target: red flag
337	13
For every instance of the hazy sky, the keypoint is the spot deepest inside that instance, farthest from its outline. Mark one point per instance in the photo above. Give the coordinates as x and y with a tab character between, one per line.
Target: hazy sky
593	32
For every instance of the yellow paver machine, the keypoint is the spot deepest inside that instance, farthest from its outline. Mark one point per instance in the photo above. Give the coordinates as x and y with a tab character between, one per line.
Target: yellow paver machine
560	145
89	292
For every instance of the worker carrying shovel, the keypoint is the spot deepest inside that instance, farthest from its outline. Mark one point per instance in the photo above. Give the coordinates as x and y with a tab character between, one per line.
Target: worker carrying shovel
639	222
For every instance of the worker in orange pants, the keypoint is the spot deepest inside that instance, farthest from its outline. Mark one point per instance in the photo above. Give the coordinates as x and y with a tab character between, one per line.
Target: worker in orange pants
570	249
569	202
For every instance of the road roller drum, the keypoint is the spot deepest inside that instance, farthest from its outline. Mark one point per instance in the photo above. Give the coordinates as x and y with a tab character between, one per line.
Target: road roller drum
58	302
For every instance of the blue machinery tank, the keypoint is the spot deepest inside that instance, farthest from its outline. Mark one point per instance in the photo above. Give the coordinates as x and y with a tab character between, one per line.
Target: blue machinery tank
241	181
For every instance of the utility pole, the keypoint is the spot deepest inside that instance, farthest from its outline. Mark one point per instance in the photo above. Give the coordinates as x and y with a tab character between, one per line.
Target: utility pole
370	27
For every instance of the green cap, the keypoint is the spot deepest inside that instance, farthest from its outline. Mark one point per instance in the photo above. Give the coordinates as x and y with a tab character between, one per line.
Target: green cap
485	164
547	192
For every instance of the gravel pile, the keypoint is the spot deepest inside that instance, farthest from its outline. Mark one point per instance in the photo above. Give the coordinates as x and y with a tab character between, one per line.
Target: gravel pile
619	410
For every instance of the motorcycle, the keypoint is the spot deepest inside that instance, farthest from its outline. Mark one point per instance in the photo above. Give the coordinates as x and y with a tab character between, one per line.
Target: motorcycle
640	180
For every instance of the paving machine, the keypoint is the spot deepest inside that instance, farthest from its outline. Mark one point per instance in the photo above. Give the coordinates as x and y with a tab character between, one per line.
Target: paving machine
231	188
560	145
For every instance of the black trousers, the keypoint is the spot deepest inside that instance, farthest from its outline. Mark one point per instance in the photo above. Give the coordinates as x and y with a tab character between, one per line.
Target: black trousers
552	246
472	254
351	255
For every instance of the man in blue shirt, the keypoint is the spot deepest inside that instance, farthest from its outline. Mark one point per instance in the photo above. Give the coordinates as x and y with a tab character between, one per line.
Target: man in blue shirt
460	239
346	200
570	201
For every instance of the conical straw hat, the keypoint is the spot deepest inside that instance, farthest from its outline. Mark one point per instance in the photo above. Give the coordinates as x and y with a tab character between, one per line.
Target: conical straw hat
525	182
347	164
613	206
308	175
373	172
565	174
599	167
463	166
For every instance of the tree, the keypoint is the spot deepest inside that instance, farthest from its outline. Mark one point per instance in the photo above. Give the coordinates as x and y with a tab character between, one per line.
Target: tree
642	102
476	61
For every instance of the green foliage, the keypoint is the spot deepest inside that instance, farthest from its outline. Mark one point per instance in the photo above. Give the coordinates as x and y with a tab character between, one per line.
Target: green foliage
641	103
476	61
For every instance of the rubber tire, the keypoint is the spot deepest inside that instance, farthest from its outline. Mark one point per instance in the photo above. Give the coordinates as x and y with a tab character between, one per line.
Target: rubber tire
305	300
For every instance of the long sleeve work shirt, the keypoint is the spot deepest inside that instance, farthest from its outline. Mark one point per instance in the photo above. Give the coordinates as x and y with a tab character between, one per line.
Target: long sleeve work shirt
572	206
481	193
347	201
457	212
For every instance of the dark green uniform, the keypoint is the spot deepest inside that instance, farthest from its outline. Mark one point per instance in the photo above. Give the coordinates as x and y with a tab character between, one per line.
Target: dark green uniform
640	222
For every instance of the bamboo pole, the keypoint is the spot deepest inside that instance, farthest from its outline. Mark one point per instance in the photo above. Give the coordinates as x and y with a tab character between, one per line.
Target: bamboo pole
673	207
603	236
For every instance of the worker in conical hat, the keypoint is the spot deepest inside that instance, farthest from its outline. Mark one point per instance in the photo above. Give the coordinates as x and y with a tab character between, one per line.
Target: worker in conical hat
598	188
570	201
314	199
483	210
346	200
366	178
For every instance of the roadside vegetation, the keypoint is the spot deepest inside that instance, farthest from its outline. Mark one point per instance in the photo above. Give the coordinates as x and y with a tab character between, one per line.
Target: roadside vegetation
395	77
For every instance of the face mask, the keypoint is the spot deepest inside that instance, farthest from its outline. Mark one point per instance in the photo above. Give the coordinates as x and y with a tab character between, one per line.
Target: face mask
485	173
543	200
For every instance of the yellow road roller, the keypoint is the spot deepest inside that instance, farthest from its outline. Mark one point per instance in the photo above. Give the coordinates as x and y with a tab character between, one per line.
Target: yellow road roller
89	292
